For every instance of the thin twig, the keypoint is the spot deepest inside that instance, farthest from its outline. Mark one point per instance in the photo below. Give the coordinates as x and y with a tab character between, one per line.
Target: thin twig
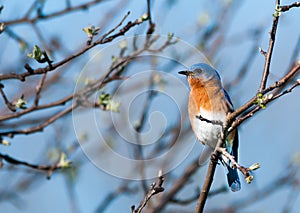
232	117
110	197
234	164
116	27
139	148
155	188
9	105
48	168
210	174
37	18
288	90
269	53
151	27
39	127
49	68
36	108
285	8
222	189
176	186
39	89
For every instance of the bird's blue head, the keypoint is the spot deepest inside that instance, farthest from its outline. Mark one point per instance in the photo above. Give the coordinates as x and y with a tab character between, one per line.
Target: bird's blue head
201	71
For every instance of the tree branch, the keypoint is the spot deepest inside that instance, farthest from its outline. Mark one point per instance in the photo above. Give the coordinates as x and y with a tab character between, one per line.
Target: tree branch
155	188
269	53
208	180
48	68
62	163
37	18
9	105
288	7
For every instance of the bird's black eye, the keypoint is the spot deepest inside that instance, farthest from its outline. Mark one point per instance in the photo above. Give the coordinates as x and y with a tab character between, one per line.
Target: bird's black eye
198	70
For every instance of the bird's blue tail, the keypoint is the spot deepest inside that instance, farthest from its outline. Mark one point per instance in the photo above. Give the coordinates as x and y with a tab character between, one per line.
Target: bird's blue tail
233	179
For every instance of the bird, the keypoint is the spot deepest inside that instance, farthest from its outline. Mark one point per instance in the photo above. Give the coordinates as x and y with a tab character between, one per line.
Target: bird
209	101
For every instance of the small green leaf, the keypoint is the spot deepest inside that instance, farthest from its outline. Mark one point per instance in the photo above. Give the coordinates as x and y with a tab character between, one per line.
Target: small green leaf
114	106
36	54
296	158
144	17
137	124
107	103
254	166
21	103
104	99
160	82
2	27
277	12
5	143
63	161
86	81
114	59
204	19
91	30
261	100
249	179
123	44
170	36
83	137
23	46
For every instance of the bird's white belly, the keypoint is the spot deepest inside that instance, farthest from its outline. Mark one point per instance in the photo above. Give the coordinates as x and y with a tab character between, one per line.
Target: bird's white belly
206	132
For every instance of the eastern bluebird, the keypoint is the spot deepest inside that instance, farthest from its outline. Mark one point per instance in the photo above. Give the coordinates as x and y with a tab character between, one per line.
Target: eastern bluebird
209	100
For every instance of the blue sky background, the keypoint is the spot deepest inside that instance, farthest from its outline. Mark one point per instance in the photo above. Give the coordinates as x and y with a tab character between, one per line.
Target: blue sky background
270	138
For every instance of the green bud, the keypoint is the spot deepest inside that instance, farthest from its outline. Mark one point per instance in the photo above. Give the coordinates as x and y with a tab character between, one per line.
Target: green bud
137	124
261	100
23	46
104	99
277	12
114	106
144	17
2	27
5	143
123	44
107	103
296	158
36	54
21	103
114	58
204	19
249	179
160	82
170	35
254	166
63	161
91	30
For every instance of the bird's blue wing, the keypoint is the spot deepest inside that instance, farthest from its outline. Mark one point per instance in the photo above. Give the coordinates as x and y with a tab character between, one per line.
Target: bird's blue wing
228	99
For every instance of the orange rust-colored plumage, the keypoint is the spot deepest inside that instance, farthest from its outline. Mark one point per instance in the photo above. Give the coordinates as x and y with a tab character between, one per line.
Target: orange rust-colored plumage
201	96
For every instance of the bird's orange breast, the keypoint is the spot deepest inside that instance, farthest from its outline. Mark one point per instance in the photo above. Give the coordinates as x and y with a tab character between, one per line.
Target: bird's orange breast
208	97
201	95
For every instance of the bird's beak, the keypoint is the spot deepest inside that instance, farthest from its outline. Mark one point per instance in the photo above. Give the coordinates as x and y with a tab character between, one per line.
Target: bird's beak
187	73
